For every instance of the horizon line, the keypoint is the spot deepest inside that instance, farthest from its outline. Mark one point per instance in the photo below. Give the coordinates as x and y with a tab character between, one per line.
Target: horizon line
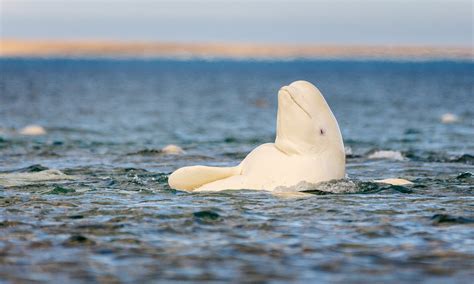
12	47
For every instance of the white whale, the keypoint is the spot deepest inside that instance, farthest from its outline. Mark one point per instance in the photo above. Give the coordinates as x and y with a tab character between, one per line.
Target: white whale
308	147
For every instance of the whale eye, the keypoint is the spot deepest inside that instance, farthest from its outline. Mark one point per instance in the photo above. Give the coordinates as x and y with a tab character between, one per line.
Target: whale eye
321	131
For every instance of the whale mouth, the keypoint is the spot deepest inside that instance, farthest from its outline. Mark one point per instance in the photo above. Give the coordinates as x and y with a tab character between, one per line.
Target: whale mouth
285	89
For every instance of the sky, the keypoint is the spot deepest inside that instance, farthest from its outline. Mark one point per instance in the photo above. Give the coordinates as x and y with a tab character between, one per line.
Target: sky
364	22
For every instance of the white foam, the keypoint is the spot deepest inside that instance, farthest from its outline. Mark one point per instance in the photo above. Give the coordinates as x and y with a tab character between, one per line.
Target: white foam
22	179
387	154
348	150
333	186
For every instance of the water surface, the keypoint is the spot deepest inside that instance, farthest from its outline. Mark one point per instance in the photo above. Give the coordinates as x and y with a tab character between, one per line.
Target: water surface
118	219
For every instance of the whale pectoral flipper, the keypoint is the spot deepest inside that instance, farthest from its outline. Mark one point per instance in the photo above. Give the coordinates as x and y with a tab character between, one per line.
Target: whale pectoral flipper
230	183
190	178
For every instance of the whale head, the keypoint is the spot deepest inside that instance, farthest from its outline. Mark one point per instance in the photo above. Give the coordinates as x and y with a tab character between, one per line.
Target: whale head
306	124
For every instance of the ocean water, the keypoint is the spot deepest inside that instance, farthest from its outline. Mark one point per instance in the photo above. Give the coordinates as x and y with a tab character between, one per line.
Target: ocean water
116	219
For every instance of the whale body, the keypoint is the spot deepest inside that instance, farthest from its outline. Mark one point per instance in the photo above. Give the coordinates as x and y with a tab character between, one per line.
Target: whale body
308	147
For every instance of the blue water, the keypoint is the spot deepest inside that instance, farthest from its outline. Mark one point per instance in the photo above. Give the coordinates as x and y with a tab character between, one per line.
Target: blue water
118	220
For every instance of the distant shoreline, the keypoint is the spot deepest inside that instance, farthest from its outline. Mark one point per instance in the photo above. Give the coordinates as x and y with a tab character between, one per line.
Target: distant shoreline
122	49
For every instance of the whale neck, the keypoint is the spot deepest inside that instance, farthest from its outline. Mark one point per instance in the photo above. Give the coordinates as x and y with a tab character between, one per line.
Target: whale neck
290	148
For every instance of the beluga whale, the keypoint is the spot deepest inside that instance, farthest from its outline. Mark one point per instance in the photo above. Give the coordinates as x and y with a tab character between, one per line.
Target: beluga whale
308	148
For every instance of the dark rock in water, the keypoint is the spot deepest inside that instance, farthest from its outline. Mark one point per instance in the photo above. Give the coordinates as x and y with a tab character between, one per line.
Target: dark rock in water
449	219
61	190
75	240
466	175
206	215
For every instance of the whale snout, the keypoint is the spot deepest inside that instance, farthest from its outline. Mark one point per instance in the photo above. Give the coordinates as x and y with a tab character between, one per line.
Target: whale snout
290	95
288	90
283	89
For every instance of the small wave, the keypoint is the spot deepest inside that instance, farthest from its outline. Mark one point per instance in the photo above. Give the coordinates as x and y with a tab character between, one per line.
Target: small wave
387	154
333	186
465	175
146	152
445	219
65	129
435	157
170	149
206	216
343	186
28	178
463	159
29	169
